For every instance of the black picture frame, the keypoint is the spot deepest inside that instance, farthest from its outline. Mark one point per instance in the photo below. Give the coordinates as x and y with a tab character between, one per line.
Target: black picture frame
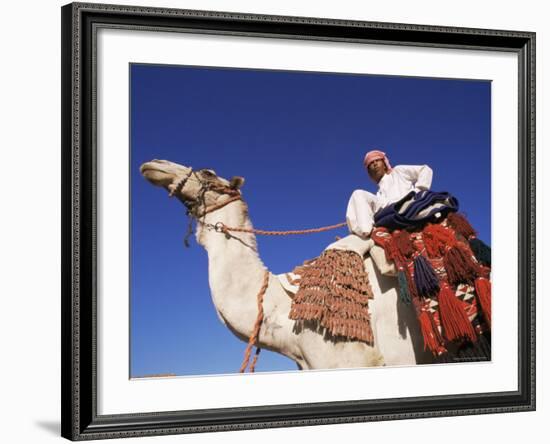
80	420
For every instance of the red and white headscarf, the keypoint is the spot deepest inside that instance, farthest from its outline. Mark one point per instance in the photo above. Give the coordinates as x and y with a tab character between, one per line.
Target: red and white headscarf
373	155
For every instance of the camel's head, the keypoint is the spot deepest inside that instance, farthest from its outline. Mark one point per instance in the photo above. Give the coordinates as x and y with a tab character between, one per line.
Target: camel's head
196	188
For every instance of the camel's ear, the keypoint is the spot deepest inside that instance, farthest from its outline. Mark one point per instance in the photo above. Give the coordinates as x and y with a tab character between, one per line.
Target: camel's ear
236	182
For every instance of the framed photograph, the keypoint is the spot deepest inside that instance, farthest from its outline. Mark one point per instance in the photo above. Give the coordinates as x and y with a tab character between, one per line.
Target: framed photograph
275	221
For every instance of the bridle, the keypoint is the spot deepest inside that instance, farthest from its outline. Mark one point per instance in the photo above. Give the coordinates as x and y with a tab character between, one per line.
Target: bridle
194	205
181	183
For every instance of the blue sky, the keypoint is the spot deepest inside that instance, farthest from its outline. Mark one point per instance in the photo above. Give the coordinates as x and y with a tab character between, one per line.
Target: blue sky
298	138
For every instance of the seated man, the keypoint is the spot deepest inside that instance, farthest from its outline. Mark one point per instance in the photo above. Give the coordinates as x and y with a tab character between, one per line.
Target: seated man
393	185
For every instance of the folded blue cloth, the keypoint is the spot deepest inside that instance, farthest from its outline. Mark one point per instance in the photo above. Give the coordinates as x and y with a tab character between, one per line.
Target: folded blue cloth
416	209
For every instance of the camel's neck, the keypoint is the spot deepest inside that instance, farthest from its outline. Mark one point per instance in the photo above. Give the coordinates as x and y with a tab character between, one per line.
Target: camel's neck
235	270
221	247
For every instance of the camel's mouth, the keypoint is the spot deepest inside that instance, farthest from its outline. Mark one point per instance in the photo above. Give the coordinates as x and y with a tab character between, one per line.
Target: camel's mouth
156	175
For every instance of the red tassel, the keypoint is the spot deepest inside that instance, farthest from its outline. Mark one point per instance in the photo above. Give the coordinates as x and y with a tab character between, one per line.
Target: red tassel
460	266
483	291
454	320
437	238
461	225
410	282
432	339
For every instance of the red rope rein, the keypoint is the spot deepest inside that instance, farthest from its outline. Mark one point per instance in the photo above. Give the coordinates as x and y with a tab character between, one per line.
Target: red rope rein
225	229
253	340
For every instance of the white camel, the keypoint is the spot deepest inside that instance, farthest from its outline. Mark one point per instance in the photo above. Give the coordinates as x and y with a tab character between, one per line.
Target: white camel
236	273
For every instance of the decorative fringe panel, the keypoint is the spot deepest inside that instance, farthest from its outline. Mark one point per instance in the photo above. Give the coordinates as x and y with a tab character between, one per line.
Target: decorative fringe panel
335	290
447	266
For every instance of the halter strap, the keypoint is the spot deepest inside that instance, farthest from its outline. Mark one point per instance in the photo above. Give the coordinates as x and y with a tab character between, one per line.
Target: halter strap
205	186
181	183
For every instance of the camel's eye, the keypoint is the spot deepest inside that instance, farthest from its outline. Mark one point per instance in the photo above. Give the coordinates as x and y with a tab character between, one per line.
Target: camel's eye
209	174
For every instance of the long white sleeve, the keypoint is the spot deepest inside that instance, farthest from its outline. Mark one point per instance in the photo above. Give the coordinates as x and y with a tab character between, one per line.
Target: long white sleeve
360	212
419	175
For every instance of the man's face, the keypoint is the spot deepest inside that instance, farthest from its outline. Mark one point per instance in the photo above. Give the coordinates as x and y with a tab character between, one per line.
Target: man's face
377	169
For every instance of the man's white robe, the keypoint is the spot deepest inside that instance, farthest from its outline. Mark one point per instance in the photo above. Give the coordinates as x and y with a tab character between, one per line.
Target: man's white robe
393	186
